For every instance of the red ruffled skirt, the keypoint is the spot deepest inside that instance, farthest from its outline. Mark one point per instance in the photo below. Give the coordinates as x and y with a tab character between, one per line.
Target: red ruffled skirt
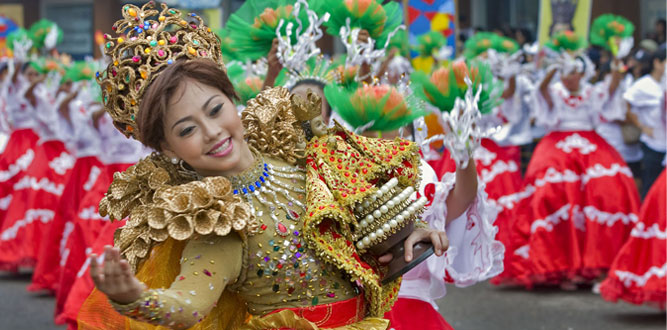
14	161
415	314
86	174
575	211
27	222
638	272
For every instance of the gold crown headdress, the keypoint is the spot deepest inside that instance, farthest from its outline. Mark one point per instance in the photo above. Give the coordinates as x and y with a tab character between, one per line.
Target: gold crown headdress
148	41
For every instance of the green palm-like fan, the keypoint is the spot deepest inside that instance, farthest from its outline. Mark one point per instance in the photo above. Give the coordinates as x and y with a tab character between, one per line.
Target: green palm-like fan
479	43
566	41
229	52
19	35
369	15
401	42
249	86
608	27
429	42
505	45
445	85
380	107
253	27
40	29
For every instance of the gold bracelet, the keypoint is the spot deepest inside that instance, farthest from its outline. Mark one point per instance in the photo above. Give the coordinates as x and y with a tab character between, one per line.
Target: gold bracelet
146	308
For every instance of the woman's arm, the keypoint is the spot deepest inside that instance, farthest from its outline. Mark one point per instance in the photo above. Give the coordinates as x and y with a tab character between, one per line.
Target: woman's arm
616	77
63	108
30	92
208	265
511	88
464	192
274	66
544	88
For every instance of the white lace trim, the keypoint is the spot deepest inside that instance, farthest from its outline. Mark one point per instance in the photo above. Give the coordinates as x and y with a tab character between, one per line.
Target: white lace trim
609	219
576	141
90	213
22	163
41	184
498	167
484	155
579	218
653	231
509	201
64	252
92	178
62	163
5	201
45	216
628	278
596	171
523	251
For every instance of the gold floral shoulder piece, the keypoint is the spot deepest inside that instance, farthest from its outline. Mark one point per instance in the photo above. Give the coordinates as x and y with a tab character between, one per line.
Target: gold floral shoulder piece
271	126
161	204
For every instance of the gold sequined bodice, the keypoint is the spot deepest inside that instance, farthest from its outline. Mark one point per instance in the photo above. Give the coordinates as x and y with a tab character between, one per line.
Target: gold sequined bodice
281	272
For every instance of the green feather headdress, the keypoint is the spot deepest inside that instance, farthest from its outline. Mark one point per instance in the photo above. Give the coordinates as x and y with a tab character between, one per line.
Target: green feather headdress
608	27
40	29
429	42
483	41
446	84
566	41
378	108
19	35
369	15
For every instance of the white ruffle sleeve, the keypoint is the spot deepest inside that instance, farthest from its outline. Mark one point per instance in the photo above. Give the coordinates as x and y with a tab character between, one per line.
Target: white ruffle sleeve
473	255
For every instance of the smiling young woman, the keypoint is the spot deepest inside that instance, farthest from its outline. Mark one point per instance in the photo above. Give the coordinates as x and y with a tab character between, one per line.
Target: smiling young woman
224	221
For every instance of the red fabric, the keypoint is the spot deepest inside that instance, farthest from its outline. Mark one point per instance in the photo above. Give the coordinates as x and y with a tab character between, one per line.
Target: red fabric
67	306
88	225
18	143
415	314
26	224
642	256
50	259
559	228
333	315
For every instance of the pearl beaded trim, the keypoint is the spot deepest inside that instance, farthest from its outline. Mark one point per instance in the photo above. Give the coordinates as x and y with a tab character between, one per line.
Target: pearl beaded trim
385	213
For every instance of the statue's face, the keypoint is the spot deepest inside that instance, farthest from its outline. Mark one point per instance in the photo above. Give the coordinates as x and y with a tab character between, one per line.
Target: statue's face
318	127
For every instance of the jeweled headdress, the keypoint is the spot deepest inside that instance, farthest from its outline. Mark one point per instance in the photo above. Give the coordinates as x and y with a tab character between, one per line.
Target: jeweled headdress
148	41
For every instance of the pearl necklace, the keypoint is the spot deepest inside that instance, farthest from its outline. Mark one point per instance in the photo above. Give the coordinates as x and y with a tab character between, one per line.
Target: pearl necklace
260	184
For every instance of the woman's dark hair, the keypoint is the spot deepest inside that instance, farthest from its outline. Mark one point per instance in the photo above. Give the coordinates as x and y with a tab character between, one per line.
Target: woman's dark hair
646	59
317	83
25	66
154	104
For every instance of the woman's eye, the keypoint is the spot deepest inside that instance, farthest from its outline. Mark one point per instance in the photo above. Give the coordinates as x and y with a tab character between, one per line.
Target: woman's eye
186	131
216	110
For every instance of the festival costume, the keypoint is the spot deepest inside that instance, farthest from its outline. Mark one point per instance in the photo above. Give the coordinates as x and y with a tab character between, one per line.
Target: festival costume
566	201
25	224
279	236
87	168
638	272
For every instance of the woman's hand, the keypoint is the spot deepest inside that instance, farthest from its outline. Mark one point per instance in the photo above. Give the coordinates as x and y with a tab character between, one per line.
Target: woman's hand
115	278
437	238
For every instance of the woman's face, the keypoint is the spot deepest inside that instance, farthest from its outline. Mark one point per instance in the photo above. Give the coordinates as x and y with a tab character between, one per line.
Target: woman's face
31	74
659	67
203	129
572	80
302	90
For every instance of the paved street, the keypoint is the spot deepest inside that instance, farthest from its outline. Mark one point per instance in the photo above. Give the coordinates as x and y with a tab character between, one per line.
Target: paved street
481	307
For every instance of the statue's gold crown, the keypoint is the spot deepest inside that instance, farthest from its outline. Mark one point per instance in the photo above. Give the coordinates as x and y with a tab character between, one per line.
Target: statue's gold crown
148	40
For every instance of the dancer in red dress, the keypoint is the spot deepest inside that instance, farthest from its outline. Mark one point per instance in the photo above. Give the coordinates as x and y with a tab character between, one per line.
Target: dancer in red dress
638	272
567	201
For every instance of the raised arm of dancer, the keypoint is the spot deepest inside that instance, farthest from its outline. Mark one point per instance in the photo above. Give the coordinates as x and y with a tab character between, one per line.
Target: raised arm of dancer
511	88
616	77
30	92
274	66
544	88
63	108
464	192
208	265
